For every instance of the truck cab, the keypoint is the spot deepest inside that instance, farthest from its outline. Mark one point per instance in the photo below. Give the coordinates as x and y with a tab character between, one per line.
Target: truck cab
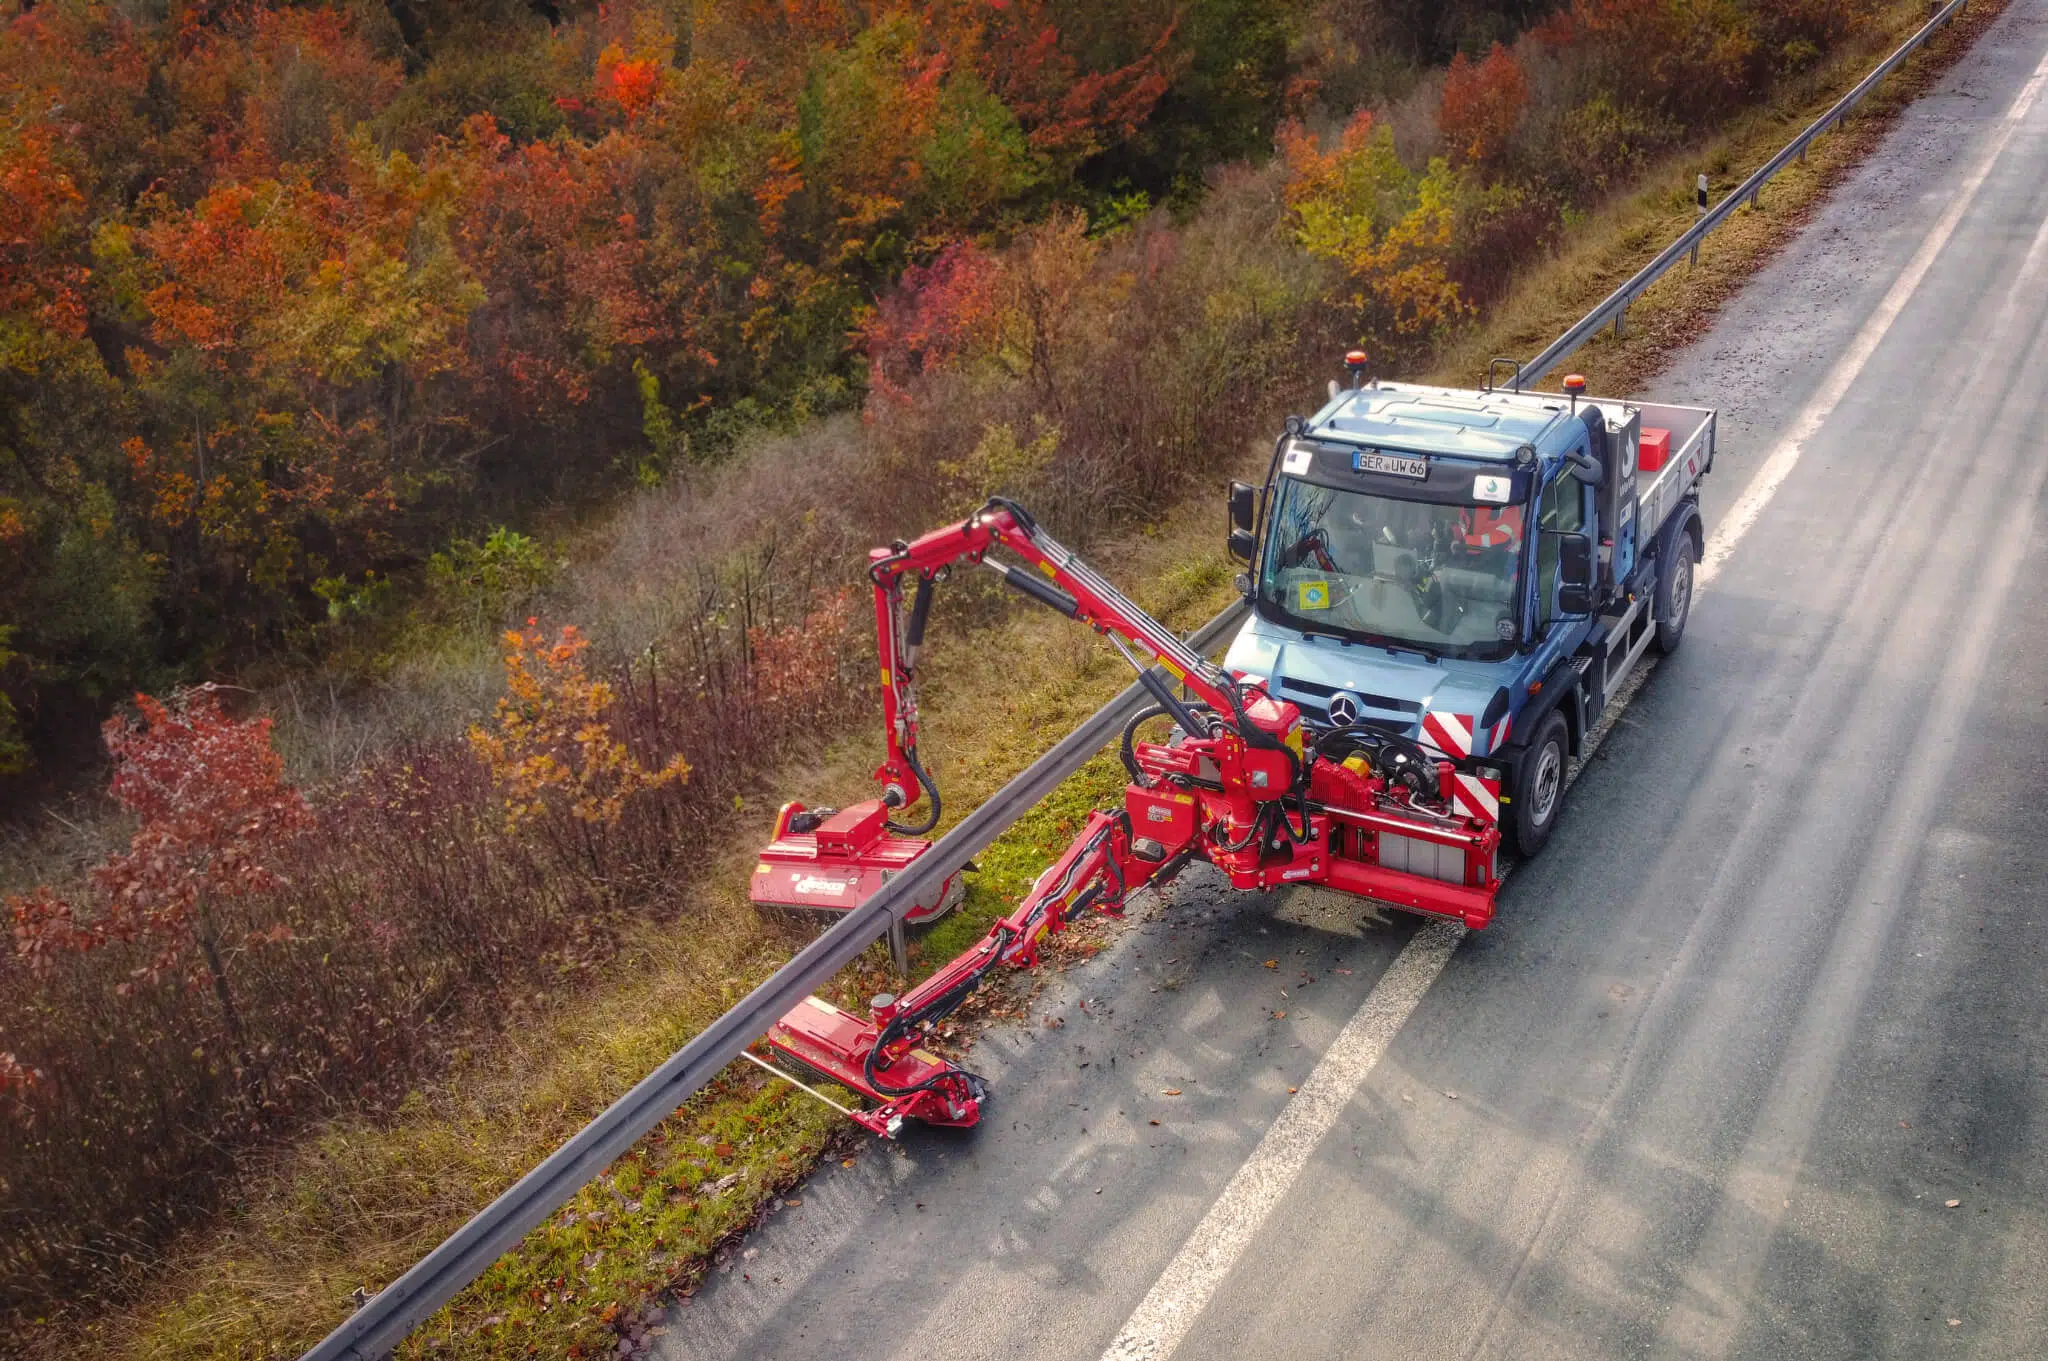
1476	570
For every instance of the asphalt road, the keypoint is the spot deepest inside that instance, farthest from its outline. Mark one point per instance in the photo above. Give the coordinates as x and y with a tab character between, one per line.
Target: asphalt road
1770	1001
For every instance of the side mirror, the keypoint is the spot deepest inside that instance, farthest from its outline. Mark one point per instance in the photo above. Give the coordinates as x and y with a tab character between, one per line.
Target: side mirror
1242	544
1243	505
1574	574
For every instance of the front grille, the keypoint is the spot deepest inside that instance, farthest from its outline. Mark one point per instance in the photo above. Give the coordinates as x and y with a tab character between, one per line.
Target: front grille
1372	701
1316	712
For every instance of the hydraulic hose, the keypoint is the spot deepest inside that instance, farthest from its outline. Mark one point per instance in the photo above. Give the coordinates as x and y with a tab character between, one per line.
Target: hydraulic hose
1128	755
1258	830
931	792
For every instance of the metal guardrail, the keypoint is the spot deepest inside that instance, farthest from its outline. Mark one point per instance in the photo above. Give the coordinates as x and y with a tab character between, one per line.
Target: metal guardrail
393	1312
1615	307
384	1320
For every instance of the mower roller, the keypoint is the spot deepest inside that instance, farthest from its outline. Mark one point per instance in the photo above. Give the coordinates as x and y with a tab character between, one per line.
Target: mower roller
1237	781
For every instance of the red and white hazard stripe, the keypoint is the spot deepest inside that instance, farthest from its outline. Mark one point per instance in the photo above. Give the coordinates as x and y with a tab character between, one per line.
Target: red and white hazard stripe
1450	734
1498	737
1476	796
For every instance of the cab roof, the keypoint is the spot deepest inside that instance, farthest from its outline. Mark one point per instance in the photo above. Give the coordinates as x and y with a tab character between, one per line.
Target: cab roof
1472	423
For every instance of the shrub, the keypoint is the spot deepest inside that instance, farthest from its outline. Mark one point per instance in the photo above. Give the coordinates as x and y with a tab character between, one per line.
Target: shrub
1387	228
1482	103
550	747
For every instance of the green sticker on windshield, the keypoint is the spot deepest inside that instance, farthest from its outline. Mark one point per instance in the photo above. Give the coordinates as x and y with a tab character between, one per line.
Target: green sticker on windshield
1312	595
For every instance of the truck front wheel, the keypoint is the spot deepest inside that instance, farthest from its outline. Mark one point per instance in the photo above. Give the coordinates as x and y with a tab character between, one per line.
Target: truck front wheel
1674	593
1539	784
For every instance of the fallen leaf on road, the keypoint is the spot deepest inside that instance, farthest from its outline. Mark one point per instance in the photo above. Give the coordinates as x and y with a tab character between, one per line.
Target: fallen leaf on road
1292	1090
1343	971
1151	1122
1452	1095
1951	1203
846	1162
1169	1091
1272	963
1955	1323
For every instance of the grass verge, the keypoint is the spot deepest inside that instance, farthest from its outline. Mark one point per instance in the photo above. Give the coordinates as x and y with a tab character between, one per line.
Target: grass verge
354	1205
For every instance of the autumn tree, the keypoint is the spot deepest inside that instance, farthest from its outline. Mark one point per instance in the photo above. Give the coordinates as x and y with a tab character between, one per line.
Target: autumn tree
1482	104
1389	229
550	747
938	312
214	809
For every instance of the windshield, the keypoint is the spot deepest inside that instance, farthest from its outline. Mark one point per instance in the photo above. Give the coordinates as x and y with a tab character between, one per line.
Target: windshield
1441	579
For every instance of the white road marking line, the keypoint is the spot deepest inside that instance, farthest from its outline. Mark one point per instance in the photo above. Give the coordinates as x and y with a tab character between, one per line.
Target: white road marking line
1785	456
1227	1230
1731	1255
1154	1331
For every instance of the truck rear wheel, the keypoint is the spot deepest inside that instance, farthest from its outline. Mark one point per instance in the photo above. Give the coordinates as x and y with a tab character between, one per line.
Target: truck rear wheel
1674	593
1539	784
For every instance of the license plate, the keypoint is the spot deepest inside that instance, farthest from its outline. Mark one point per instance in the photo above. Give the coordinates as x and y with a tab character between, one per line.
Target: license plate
1391	464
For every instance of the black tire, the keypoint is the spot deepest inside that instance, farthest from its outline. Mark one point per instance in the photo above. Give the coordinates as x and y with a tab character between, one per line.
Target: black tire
1674	592
1539	784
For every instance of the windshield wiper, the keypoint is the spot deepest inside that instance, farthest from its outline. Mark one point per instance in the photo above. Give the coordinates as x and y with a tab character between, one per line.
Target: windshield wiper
1363	639
1359	638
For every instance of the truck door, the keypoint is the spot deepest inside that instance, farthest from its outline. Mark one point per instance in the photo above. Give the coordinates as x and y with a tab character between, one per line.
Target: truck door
1561	510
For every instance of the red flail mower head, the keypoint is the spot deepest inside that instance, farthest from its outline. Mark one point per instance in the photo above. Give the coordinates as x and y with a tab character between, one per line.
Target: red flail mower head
834	859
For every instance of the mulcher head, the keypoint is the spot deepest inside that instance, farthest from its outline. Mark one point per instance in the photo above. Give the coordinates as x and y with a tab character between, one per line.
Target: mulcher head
834	859
899	1077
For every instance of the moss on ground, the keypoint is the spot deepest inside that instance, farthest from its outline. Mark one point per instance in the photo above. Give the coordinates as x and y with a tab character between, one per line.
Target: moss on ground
357	1204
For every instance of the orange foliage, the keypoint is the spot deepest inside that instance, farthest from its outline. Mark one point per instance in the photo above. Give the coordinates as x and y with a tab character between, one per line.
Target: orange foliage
1482	103
792	668
630	82
938	312
307	300
1068	111
1390	230
551	746
41	212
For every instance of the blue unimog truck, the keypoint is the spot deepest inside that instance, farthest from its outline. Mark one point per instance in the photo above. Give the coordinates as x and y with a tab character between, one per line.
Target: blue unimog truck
1474	570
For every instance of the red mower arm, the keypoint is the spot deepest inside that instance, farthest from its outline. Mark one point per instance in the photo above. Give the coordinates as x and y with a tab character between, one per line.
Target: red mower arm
1061	581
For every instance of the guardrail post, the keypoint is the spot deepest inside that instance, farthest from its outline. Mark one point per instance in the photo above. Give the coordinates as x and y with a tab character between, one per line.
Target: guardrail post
899	946
1699	204
1619	318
